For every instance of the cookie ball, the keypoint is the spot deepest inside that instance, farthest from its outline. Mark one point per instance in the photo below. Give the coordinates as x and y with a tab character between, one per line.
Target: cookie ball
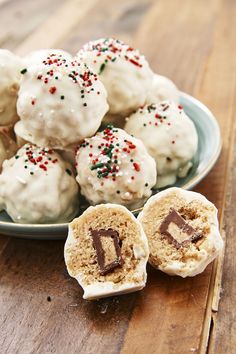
10	68
162	89
37	187
169	136
182	231
106	252
124	72
60	103
114	167
8	146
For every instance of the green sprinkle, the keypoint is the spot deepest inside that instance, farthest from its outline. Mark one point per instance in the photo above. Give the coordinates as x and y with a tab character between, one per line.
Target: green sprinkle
31	173
114	59
118	192
17	157
146	184
144	124
102	67
98	165
62	97
23	71
69	172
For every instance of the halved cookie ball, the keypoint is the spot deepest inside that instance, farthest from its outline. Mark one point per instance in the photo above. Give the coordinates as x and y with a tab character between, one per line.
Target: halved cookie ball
182	230
114	167
107	251
38	187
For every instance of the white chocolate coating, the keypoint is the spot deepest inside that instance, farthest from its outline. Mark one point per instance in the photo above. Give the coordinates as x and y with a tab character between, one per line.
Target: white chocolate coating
162	89
38	56
113	167
100	289
124	72
208	250
60	103
8	146
10	68
37	186
169	136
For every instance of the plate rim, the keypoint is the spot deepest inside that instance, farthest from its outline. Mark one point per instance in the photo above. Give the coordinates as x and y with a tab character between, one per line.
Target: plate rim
189	185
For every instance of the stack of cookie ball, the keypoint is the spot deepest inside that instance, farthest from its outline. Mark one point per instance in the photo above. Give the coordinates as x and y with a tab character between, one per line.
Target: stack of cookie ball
60	105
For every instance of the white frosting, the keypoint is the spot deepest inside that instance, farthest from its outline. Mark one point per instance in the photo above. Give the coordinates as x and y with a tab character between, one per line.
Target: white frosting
36	186
107	288
127	178
169	136
60	103
162	89
10	68
209	249
38	56
8	146
124	72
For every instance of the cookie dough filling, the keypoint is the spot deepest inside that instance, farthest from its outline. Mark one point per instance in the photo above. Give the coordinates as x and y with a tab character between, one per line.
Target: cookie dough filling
107	251
182	231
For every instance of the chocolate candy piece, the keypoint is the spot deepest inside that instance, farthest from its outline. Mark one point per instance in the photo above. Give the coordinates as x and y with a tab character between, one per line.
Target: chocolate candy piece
106	244
177	230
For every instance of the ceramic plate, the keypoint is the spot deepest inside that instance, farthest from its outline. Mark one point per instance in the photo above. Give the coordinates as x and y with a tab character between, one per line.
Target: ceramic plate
209	147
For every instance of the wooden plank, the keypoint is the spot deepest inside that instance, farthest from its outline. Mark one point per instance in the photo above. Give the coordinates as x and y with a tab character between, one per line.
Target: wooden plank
20	17
55	27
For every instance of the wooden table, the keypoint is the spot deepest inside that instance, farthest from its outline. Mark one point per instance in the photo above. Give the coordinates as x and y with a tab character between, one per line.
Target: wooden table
41	307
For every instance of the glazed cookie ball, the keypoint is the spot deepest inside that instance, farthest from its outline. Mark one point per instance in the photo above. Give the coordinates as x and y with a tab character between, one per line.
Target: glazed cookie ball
124	72
37	187
182	231
114	167
60	103
107	251
10	68
169	136
8	146
162	89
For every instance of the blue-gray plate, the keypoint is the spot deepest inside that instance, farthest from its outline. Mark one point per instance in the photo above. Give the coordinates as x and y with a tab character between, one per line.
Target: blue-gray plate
209	148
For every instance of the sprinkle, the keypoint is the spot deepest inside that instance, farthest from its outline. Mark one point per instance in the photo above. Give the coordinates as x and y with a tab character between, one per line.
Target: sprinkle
69	172
23	71
62	97
180	106
102	67
136	166
98	165
52	89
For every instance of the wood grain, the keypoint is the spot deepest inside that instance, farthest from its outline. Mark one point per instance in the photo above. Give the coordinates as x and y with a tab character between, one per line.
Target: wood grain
42	310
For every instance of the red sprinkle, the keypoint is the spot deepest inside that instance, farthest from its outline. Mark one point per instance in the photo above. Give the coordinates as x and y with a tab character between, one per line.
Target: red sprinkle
52	89
136	166
180	106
